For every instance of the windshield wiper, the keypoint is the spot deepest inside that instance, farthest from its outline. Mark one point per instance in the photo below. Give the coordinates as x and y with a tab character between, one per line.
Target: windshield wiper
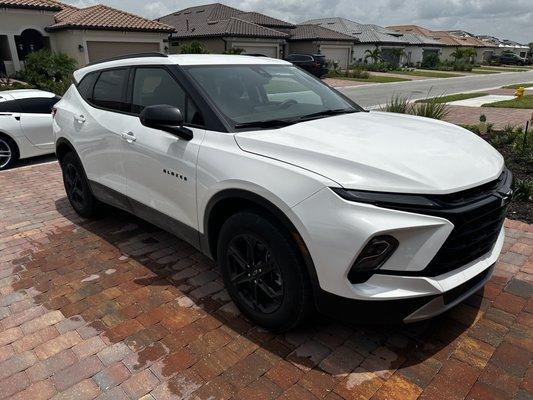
272	123
326	113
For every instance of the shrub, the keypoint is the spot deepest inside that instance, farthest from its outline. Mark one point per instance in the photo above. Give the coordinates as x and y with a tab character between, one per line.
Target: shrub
49	71
193	48
430	109
523	189
523	145
357	72
397	104
234	51
431	61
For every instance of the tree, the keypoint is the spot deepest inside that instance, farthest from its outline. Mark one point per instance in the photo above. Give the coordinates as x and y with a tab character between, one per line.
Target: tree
374	55
193	48
49	71
464	53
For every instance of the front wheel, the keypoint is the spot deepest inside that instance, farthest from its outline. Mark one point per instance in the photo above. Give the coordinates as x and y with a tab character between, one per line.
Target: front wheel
263	272
77	187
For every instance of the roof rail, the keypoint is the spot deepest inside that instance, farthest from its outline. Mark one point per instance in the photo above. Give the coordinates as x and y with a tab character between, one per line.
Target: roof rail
126	56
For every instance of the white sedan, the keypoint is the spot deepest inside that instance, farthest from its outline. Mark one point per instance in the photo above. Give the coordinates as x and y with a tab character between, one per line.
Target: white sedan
25	124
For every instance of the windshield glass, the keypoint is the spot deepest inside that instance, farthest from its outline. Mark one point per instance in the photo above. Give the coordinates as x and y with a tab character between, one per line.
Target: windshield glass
247	94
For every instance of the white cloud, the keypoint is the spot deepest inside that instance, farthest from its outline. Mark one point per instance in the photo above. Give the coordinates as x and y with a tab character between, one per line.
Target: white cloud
505	19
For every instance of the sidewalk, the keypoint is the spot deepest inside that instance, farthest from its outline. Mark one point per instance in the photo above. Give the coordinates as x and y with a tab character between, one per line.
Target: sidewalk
500	117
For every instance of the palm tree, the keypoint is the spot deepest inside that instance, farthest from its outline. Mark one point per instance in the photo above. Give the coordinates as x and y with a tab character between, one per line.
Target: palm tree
375	55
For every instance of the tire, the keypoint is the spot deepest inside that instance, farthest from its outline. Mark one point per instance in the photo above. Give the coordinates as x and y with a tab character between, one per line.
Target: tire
9	152
270	287
77	187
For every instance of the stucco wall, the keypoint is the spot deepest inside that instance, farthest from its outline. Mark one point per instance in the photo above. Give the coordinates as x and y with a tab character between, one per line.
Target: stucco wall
68	41
214	46
15	21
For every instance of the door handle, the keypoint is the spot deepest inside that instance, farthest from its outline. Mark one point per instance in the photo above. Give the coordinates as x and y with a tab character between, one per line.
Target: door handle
80	118
129	137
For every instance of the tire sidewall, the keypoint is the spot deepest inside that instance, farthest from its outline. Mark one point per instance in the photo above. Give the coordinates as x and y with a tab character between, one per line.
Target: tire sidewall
88	207
284	254
14	152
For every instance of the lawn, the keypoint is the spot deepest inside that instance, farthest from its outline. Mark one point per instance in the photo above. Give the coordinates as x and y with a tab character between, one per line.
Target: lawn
504	69
524	102
429	74
452	97
525	85
484	71
373	79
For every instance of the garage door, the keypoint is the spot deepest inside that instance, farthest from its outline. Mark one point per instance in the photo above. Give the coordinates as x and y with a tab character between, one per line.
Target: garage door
269	51
101	50
339	54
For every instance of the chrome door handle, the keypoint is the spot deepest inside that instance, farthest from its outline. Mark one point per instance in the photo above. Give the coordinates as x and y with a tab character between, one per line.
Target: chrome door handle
79	118
129	137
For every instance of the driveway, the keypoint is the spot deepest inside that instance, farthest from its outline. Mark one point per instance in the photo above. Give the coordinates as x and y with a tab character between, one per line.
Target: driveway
372	95
116	308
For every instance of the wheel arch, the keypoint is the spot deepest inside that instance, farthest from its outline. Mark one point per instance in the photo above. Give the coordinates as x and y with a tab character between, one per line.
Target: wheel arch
12	139
63	146
229	201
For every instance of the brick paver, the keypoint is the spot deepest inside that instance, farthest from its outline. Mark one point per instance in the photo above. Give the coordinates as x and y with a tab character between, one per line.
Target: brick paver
500	117
116	308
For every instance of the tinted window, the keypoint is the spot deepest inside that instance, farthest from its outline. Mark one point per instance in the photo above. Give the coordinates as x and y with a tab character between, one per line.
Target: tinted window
154	86
86	86
7	106
109	90
38	105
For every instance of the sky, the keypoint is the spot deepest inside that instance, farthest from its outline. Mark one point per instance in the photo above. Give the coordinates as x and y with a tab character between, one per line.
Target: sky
506	19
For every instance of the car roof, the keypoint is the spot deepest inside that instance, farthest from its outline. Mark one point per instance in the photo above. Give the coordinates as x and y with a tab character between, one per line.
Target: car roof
181	59
25	93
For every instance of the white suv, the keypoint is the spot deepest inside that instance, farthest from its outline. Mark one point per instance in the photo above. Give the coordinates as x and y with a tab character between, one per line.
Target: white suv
303	198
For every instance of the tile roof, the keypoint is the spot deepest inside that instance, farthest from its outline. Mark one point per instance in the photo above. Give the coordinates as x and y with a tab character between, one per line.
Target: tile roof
49	5
317	32
364	33
220	20
102	17
230	27
446	38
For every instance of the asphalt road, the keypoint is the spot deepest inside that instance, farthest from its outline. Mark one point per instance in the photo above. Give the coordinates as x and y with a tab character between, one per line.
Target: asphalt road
373	95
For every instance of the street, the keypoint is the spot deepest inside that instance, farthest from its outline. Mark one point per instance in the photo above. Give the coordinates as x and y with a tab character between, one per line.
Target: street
373	95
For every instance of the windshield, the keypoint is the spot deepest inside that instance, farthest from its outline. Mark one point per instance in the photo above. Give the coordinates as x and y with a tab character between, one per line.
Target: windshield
281	94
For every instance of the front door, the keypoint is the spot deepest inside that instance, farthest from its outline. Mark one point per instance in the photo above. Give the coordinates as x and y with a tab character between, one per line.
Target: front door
161	167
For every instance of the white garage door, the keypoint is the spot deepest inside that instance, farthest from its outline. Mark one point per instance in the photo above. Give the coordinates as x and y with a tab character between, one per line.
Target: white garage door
339	54
269	51
101	50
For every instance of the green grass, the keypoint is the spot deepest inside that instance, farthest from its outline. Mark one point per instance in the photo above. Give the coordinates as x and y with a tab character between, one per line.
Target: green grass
484	71
373	79
429	74
525	85
525	102
503	69
452	97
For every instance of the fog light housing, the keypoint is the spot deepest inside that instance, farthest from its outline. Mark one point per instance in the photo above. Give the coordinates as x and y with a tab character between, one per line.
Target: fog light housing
374	254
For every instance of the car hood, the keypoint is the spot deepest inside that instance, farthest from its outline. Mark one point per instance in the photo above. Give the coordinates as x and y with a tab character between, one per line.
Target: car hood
382	151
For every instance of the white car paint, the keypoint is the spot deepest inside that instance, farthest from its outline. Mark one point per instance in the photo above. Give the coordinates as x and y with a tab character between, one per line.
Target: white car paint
32	132
294	168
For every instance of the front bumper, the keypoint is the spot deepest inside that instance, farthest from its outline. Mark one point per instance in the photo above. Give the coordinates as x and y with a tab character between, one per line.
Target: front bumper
335	231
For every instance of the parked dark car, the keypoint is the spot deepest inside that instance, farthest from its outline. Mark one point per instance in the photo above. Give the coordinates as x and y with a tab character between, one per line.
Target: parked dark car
313	63
512	58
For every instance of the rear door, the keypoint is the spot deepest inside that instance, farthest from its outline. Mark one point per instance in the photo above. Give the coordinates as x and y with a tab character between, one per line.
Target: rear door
96	123
9	118
36	120
161	167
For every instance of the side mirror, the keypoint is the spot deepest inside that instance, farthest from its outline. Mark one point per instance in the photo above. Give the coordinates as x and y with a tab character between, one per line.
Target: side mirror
165	118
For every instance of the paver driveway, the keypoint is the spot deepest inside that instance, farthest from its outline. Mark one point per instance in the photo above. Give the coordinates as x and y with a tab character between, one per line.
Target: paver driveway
116	308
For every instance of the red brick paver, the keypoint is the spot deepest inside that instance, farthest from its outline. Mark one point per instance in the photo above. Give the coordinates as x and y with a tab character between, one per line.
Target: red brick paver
116	309
500	117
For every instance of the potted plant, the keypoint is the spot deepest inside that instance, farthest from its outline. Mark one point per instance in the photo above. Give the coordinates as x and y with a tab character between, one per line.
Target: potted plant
483	124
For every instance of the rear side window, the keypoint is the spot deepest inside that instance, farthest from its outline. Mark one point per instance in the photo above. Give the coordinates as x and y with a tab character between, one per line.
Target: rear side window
85	87
109	90
37	105
8	106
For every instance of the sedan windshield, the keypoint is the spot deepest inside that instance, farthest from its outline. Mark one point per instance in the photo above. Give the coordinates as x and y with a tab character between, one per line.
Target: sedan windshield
267	96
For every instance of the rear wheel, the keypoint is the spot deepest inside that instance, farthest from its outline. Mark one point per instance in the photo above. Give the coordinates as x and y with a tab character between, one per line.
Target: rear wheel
77	187
263	272
8	152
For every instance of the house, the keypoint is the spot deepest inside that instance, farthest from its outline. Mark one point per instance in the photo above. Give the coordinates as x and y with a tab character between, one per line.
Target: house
311	39
221	28
449	41
85	34
504	46
395	47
